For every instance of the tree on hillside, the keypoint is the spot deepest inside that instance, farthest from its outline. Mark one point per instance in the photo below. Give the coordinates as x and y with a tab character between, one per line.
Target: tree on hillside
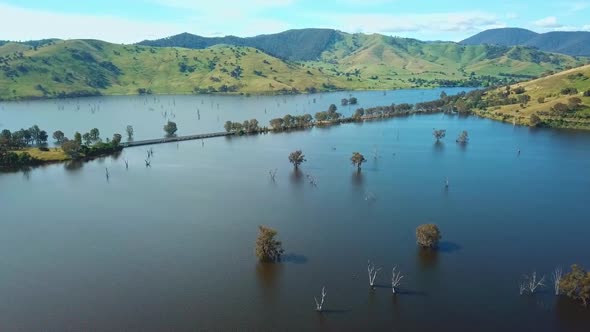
573	103
560	108
58	136
297	158
357	159
170	128
268	249
428	235
534	120
439	134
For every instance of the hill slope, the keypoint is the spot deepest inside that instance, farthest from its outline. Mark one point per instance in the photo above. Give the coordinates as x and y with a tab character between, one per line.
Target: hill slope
566	88
295	45
350	61
575	43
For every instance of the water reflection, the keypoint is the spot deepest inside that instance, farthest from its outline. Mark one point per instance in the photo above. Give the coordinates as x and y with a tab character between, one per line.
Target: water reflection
357	179
269	275
571	315
296	177
73	165
427	258
438	146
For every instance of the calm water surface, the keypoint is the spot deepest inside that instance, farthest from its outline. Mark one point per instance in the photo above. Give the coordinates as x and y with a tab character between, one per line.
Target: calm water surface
171	247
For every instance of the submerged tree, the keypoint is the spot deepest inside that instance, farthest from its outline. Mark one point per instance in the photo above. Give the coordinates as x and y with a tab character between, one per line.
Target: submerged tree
372	270
396	279
357	160
556	276
439	134
170	128
463	137
320	304
268	249
95	135
116	139
576	284
129	131
428	235
531	283
297	158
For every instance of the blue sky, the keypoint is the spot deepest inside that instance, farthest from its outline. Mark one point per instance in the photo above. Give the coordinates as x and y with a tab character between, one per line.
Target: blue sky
127	21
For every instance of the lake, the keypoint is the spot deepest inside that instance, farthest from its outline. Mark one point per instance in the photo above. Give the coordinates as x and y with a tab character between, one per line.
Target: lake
171	247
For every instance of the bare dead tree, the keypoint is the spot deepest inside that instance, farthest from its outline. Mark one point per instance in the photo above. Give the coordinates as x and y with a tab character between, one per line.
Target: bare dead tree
522	287
320	304
370	197
372	269
272	174
148	163
556	276
532	283
396	278
312	180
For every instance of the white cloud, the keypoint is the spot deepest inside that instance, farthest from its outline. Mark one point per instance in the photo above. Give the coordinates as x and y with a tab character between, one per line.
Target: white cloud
548	23
25	24
578	6
432	24
18	23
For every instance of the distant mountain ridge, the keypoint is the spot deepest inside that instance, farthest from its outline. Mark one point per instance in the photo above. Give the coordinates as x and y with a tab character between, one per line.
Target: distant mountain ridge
574	43
294	61
294	45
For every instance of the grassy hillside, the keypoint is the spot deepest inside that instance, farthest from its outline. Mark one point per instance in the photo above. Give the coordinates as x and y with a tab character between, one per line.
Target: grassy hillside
545	93
357	61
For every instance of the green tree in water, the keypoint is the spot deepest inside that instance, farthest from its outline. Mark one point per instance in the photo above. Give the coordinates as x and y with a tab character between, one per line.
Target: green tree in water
268	249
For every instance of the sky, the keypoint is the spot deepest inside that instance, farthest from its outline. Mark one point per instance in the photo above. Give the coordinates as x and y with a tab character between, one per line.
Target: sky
130	21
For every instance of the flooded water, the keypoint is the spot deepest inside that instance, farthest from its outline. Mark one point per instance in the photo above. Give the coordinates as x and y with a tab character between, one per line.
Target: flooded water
171	247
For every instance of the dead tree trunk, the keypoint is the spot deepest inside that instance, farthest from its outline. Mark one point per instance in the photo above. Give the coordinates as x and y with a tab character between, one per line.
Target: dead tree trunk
396	277
320	304
557	274
372	270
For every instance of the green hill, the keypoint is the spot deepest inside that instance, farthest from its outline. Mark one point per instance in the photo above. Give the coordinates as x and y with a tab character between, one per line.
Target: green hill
570	88
344	61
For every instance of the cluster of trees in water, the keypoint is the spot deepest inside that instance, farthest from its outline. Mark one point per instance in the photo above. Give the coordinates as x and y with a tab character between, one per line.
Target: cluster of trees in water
13	145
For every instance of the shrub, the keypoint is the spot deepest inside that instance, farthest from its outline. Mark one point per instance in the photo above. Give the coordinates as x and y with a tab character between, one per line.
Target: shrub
267	248
427	235
576	285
